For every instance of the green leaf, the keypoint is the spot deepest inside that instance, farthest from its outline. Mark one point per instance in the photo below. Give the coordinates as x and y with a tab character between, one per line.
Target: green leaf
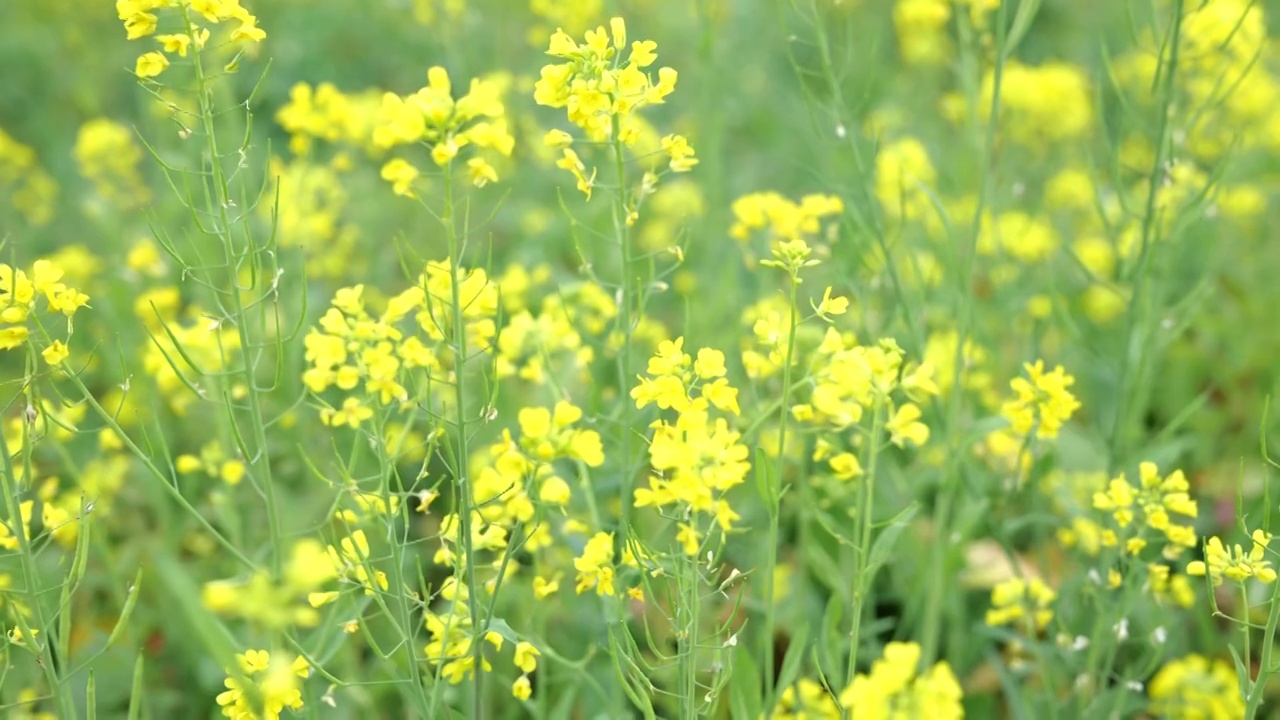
888	537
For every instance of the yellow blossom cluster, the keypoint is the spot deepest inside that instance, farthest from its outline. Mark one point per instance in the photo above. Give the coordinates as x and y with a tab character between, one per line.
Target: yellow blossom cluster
1196	687
212	462
596	85
353	349
904	175
108	157
290	601
275	681
445	126
1042	402
324	112
1040	105
1162	504
848	380
896	688
518	473
529	345
19	297
31	190
602	93
141	21
1026	603
784	222
1221	562
452	648
697	458
312	212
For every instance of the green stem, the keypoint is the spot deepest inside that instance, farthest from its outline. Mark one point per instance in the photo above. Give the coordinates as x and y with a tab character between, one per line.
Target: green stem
622	234
1139	315
463	483
950	487
259	459
386	469
861	578
30	572
689	640
1265	668
775	497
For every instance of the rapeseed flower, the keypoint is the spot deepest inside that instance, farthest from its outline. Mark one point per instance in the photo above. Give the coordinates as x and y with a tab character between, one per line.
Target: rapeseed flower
895	687
1196	687
275	680
1042	401
1234	563
1024	603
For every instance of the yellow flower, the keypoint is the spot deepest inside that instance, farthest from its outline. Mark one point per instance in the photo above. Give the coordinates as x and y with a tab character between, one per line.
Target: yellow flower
401	174
895	687
595	565
1042	402
174	43
905	426
1234	563
55	353
151	64
830	305
526	657
1026	603
521	689
1195	687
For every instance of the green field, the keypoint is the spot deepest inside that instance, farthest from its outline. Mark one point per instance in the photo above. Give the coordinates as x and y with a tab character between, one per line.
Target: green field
870	359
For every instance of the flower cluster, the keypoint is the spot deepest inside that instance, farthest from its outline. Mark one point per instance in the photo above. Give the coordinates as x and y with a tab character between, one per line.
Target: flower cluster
1024	603
278	604
275	683
1041	402
31	190
1195	687
1156	503
903	178
697	458
19	295
355	349
601	93
213	462
433	118
1234	563
326	113
108	157
785	222
596	86
141	21
517	473
895	688
181	355
849	379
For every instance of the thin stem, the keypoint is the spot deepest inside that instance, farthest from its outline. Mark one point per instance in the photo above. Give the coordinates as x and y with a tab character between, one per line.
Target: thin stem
689	640
775	495
463	483
30	573
861	579
1138	315
259	460
950	487
622	234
